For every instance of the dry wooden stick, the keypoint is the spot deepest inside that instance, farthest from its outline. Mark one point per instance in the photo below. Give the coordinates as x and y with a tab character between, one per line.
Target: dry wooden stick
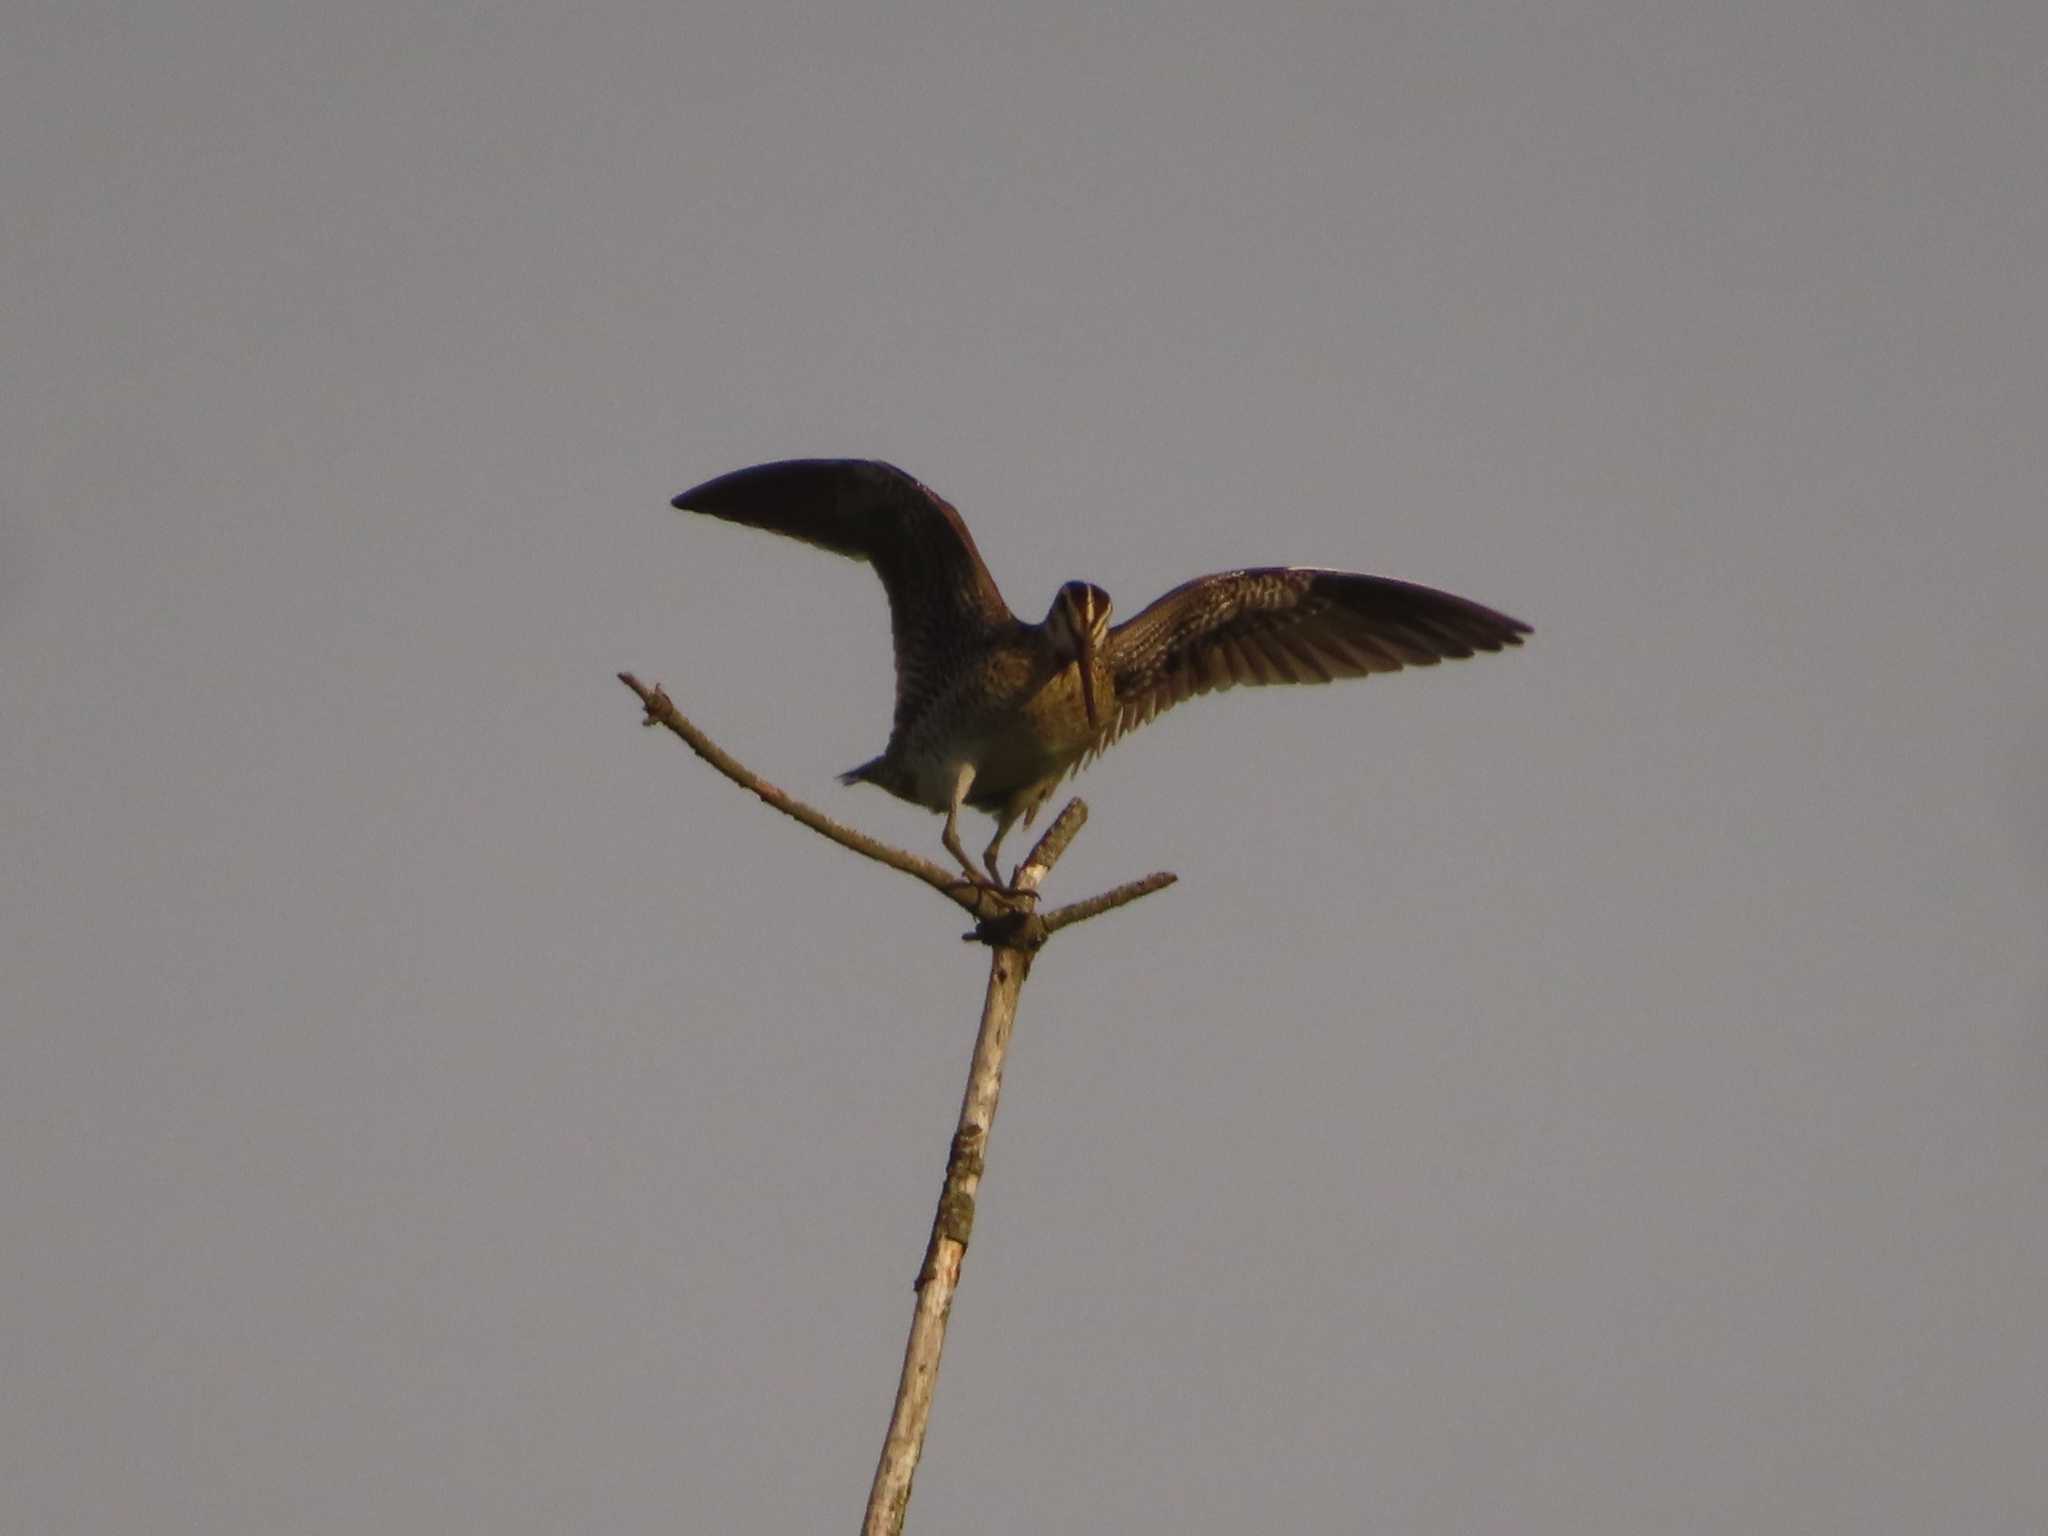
1014	933
953	1222
662	711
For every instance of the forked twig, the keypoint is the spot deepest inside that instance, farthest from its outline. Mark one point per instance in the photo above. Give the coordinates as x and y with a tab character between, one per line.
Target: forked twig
1014	932
662	711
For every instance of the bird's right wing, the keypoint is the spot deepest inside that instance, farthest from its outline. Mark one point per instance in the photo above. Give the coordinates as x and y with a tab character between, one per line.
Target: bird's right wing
939	590
1287	624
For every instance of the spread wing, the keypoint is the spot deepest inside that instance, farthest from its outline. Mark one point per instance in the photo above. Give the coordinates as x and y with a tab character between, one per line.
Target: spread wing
940	594
1287	625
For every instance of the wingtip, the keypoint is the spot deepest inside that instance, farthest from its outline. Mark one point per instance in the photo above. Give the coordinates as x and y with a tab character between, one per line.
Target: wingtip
695	498
738	494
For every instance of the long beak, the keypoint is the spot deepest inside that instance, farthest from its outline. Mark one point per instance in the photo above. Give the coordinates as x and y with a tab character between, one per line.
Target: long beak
1086	639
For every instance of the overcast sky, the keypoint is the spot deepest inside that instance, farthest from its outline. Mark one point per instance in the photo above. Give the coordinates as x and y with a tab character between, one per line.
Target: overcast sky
1602	1088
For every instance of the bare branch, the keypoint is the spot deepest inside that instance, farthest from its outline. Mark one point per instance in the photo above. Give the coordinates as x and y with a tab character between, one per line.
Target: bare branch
661	711
1046	851
1002	918
1095	906
1014	933
952	1224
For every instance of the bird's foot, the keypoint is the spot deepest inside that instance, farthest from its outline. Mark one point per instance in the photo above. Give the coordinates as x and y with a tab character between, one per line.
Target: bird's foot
992	881
1009	887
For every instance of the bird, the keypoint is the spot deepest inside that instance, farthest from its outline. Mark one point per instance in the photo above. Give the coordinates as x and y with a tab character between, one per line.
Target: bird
992	712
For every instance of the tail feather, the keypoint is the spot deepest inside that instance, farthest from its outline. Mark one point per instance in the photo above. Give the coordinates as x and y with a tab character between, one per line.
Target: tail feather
867	773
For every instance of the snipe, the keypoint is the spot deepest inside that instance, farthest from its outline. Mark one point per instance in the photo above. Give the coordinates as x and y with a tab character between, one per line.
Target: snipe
992	712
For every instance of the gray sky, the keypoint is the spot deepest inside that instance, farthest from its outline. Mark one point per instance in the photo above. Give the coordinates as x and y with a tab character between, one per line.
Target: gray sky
1599	1089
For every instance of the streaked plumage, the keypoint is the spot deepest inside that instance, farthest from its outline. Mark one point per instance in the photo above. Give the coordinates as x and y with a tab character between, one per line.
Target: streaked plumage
992	712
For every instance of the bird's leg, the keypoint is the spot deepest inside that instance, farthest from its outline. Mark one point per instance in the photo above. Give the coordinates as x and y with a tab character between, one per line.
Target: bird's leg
1004	822
963	780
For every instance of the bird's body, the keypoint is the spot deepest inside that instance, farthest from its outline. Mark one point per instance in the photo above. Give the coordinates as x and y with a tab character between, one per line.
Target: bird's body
1013	708
992	712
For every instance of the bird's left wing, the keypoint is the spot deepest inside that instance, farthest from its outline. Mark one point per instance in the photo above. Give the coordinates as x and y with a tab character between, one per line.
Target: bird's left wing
1287	624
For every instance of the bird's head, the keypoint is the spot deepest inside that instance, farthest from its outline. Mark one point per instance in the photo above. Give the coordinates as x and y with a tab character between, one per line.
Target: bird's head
1078	622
